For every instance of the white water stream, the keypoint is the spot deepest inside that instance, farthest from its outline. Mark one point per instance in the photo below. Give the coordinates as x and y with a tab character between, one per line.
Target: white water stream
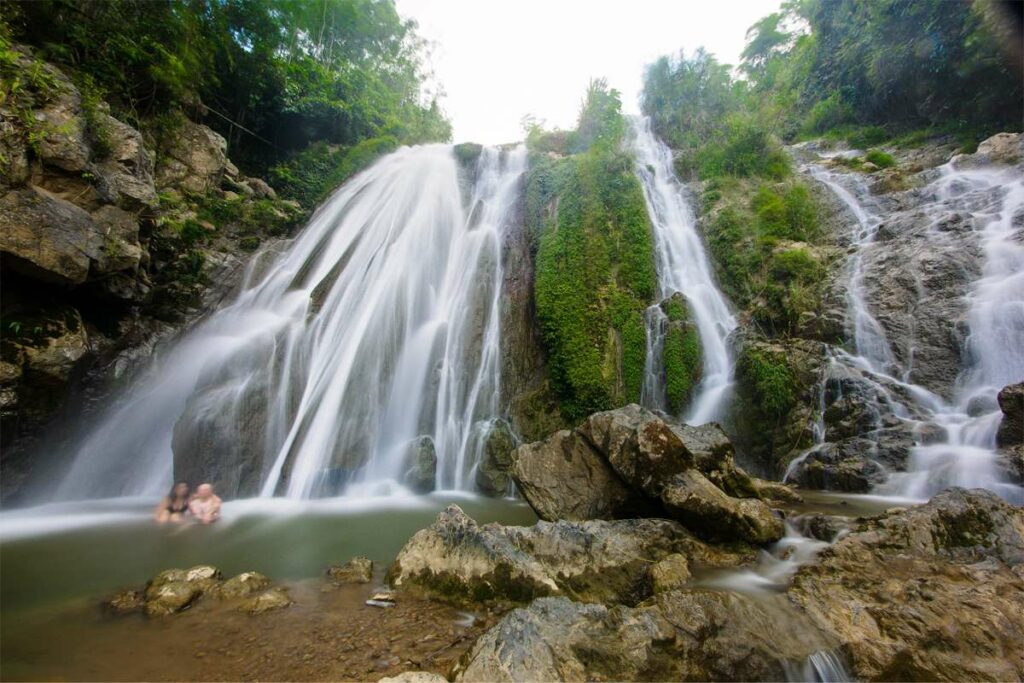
682	266
965	455
377	327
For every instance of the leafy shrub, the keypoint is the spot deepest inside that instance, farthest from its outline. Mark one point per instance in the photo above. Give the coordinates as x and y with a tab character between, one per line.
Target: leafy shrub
770	378
880	159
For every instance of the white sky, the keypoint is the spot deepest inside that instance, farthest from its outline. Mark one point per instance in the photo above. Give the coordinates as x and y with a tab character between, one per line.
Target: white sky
499	60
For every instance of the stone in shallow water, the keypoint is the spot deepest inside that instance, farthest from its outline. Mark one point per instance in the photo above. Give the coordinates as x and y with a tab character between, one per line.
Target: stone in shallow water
126	602
170	597
275	598
241	586
356	570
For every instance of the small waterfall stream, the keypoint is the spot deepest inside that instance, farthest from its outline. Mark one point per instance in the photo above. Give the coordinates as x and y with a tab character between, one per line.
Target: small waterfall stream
964	454
682	266
375	333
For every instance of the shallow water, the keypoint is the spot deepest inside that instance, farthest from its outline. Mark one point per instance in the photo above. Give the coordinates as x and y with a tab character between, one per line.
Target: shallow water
65	552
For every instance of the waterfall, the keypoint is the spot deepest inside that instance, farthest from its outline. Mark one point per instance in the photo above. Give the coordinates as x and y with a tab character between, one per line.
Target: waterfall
682	266
374	334
965	454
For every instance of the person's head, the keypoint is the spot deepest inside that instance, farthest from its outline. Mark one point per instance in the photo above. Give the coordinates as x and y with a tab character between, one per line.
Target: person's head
180	490
204	491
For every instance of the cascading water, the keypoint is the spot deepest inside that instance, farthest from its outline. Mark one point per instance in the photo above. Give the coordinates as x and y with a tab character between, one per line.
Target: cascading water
372	340
964	455
682	266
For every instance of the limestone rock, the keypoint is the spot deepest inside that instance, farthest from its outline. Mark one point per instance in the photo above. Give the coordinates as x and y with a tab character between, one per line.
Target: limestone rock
493	476
681	635
711	514
171	597
670	573
934	592
458	560
356	570
51	239
564	477
273	599
64	142
242	585
843	466
421	467
128	169
195	162
1011	428
642	449
260	188
414	677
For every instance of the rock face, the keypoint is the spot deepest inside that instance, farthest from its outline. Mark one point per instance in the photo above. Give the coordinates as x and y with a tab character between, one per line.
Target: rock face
929	593
421	464
112	239
678	636
630	461
610	561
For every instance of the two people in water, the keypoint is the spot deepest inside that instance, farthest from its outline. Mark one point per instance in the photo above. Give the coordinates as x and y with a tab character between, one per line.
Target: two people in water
178	505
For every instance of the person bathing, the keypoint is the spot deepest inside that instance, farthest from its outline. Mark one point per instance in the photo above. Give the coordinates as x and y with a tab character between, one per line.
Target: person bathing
174	506
205	505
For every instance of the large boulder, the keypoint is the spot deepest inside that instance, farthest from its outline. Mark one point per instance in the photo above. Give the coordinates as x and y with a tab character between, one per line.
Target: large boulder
711	514
934	592
609	561
195	161
564	477
681	635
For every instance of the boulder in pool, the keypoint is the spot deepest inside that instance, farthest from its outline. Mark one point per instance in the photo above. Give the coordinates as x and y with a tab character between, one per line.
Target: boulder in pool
174	590
457	560
241	586
356	570
269	600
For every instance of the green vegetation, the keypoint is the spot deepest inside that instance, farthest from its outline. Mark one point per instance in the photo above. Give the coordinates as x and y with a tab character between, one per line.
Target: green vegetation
770	379
867	71
682	358
880	159
594	266
309	176
273	78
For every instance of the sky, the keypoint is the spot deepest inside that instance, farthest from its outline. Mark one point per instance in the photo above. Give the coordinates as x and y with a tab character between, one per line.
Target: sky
498	60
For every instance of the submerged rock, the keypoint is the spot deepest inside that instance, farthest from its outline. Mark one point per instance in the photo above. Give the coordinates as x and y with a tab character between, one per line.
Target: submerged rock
243	585
273	599
934	592
610	561
356	570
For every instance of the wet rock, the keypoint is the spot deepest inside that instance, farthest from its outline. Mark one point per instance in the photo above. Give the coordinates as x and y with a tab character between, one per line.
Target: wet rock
356	570
493	476
711	514
458	560
670	573
776	492
126	602
421	470
242	585
934	592
679	636
170	597
564	477
1011	428
273	599
844	466
820	527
